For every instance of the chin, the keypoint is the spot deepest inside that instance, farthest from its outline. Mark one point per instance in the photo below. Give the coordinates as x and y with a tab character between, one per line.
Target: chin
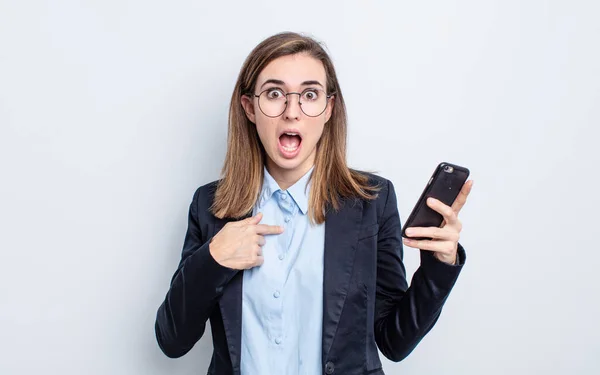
289	164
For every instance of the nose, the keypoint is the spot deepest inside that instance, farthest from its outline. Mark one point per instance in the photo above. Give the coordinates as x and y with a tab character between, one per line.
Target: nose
293	110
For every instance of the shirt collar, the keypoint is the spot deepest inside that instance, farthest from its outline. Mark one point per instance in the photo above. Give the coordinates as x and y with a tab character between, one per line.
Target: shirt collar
297	191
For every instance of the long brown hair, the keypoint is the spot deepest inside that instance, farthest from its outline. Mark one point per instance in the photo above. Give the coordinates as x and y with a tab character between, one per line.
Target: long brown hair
242	173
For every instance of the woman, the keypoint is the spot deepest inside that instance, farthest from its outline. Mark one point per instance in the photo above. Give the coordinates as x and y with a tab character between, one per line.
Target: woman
295	258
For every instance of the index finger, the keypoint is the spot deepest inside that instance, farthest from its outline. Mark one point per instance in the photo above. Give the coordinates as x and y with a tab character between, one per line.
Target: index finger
267	229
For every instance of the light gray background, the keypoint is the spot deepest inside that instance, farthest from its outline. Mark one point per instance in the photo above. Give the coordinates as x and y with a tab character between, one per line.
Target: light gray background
113	112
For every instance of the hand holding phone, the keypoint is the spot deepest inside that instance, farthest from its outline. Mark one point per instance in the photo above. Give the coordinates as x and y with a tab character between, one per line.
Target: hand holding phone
445	184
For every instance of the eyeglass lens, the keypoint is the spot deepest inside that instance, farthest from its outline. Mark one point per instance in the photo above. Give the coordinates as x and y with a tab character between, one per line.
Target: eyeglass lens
273	102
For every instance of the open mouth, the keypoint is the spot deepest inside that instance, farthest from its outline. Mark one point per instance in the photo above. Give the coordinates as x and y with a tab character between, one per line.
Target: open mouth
289	143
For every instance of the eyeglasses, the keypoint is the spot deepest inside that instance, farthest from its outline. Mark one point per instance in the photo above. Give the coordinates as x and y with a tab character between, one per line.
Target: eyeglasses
273	101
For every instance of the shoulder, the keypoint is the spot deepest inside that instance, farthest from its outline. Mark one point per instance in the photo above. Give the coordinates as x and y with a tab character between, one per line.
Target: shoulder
206	192
385	194
382	184
203	199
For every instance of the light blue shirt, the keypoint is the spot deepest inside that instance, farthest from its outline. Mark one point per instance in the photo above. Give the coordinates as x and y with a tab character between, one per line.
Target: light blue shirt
282	299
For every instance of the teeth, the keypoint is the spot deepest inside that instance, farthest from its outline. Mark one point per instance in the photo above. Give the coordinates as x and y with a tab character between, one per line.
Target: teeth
290	149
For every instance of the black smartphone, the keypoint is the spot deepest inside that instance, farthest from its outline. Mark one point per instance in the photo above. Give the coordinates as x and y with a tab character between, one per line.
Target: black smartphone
445	185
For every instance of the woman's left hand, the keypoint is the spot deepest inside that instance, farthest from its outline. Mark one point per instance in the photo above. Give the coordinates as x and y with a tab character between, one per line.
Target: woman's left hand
444	241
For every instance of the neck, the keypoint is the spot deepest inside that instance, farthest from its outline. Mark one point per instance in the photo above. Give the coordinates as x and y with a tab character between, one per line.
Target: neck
288	177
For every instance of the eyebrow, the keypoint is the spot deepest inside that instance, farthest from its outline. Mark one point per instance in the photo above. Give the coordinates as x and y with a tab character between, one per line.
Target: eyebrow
280	82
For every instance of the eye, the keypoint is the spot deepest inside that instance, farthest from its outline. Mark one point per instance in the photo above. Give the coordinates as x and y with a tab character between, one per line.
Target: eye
275	94
310	95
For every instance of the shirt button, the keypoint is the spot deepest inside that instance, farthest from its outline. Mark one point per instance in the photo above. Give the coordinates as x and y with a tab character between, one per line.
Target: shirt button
283	195
278	341
287	219
276	294
281	256
329	368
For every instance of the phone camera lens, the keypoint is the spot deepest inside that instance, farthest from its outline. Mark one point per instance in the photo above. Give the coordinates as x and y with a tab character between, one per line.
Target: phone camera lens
448	169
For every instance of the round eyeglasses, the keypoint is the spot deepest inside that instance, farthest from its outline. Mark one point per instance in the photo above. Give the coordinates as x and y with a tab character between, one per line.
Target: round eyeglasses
273	101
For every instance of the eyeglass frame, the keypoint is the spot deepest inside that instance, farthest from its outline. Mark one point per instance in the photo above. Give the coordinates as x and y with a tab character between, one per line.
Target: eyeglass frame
287	100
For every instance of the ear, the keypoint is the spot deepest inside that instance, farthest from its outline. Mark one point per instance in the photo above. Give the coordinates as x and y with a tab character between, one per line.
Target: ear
329	110
248	105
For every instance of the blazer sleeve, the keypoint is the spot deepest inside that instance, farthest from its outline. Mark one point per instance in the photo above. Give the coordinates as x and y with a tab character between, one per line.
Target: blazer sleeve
404	315
194	291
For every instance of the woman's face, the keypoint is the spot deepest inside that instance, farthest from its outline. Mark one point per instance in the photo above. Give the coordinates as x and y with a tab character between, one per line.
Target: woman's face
298	73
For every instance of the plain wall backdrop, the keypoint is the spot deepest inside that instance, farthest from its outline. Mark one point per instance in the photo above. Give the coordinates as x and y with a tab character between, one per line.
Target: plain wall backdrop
112	113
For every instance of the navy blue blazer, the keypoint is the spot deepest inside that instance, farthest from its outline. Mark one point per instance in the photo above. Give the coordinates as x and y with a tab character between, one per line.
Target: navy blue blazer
367	303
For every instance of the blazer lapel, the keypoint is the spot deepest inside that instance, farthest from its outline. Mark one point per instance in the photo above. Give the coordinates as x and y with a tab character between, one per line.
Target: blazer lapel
341	237
231	308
